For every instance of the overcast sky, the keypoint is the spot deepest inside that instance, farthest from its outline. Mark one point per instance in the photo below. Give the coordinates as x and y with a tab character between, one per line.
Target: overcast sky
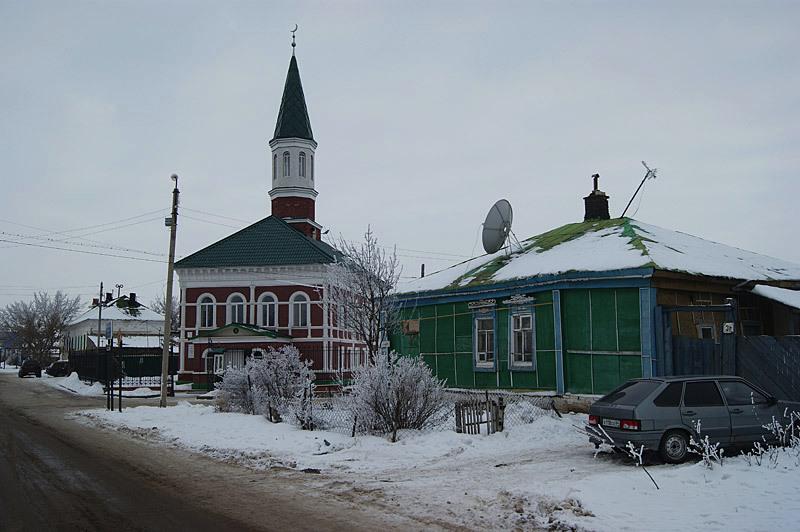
425	114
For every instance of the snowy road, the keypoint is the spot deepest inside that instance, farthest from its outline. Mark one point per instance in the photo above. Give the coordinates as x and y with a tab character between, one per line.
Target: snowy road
57	475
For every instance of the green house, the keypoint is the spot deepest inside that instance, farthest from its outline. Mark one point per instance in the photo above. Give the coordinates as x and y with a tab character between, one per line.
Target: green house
582	308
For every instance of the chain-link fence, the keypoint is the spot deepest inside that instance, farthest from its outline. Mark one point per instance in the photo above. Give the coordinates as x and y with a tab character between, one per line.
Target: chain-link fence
331	413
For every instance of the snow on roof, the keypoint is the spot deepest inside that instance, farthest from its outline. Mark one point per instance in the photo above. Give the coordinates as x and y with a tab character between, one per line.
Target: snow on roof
113	312
605	245
790	298
140	341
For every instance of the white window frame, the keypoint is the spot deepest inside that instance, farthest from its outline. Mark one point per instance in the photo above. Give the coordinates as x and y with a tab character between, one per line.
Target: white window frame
296	300
520	314
260	309
301	167
287	163
229	304
481	358
274	167
213	304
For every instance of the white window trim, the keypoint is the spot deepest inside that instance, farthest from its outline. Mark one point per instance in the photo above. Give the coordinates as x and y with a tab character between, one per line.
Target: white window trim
292	302
511	362
229	308
301	166
478	363
259	310
287	164
199	317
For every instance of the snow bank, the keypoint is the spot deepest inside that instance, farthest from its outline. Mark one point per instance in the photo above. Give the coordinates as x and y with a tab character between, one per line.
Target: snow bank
542	475
74	384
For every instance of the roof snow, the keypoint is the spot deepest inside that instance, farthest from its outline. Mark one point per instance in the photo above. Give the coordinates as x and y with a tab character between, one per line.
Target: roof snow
604	245
112	312
790	298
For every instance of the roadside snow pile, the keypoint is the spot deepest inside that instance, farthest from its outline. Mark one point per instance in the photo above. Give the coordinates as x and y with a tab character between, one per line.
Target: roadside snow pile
140	392
74	384
541	475
9	369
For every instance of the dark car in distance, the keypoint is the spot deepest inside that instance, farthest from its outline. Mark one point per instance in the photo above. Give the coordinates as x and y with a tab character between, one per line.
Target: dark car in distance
30	367
664	413
59	368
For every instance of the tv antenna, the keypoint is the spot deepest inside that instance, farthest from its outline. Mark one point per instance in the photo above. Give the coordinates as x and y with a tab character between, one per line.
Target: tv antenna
497	227
650	174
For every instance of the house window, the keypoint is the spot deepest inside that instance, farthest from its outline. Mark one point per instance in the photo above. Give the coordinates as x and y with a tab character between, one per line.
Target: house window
484	342
299	314
268	311
522	339
286	163
207	311
302	166
236	309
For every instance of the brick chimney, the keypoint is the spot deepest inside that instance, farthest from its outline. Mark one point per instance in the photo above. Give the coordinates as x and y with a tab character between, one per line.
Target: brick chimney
596	203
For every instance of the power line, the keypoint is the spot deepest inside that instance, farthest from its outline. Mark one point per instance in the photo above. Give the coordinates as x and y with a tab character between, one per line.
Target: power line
80	251
114	248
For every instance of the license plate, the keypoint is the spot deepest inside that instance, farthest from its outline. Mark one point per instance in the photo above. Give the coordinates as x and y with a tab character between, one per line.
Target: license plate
611	423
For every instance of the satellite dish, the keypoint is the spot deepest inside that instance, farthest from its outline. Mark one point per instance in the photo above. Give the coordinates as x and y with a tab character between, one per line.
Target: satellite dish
497	226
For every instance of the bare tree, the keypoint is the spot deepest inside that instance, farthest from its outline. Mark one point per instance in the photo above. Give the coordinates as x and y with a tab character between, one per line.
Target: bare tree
360	290
160	305
38	325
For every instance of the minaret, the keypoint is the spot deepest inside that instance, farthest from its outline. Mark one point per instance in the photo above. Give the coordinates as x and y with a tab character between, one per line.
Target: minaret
293	194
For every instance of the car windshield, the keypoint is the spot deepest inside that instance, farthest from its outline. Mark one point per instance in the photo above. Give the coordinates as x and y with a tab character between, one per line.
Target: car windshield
630	393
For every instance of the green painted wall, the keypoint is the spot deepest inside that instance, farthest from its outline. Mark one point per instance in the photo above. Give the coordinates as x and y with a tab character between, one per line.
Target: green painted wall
602	345
601	341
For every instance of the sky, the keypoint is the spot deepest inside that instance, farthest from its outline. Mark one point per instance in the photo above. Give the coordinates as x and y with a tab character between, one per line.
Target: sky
426	113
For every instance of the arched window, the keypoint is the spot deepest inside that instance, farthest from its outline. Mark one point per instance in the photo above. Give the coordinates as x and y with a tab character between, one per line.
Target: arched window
302	167
274	167
299	310
207	307
267	311
312	167
236	306
286	164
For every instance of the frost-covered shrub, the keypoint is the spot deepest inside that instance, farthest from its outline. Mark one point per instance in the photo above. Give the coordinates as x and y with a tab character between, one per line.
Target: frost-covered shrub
279	384
235	393
394	393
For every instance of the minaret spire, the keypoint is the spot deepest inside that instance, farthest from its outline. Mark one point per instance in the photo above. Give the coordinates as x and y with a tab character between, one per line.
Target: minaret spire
293	43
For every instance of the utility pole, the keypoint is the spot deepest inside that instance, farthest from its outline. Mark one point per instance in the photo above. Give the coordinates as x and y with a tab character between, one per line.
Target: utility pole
172	223
99	315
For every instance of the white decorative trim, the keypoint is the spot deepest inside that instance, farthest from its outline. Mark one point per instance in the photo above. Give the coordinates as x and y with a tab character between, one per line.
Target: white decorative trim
198	313
483	303
519	299
260	302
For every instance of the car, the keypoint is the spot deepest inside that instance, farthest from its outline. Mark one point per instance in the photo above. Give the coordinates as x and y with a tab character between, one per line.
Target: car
59	368
30	367
663	414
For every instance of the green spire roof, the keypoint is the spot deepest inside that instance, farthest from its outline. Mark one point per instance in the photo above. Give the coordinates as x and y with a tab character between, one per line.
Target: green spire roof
293	119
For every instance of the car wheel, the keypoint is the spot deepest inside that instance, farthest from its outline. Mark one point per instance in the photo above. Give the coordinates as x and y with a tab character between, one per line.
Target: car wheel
674	446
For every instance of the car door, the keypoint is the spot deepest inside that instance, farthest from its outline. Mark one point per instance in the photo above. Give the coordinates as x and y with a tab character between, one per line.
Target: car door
703	405
749	410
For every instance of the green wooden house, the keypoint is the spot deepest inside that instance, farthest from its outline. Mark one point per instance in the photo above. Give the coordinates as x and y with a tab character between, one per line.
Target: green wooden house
581	308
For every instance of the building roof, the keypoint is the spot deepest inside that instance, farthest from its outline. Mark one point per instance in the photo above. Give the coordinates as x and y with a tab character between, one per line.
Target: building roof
293	119
790	298
606	245
268	242
113	312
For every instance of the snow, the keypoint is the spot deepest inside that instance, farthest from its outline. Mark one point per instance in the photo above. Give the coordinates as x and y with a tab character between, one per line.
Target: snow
112	312
607	248
9	369
74	384
540	475
788	297
141	341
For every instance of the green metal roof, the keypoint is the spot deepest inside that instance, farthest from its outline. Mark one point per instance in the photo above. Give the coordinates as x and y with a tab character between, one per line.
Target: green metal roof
293	119
268	242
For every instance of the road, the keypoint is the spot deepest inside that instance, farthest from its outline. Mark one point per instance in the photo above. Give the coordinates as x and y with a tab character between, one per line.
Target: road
58	474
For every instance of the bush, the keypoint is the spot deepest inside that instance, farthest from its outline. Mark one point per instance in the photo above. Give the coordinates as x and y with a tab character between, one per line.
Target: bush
235	393
279	384
394	393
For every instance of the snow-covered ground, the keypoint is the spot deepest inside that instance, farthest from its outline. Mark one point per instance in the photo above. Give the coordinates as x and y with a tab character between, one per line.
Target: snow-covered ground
10	368
543	474
75	385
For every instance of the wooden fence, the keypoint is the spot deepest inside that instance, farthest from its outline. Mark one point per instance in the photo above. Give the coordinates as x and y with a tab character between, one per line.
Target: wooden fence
473	413
772	363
